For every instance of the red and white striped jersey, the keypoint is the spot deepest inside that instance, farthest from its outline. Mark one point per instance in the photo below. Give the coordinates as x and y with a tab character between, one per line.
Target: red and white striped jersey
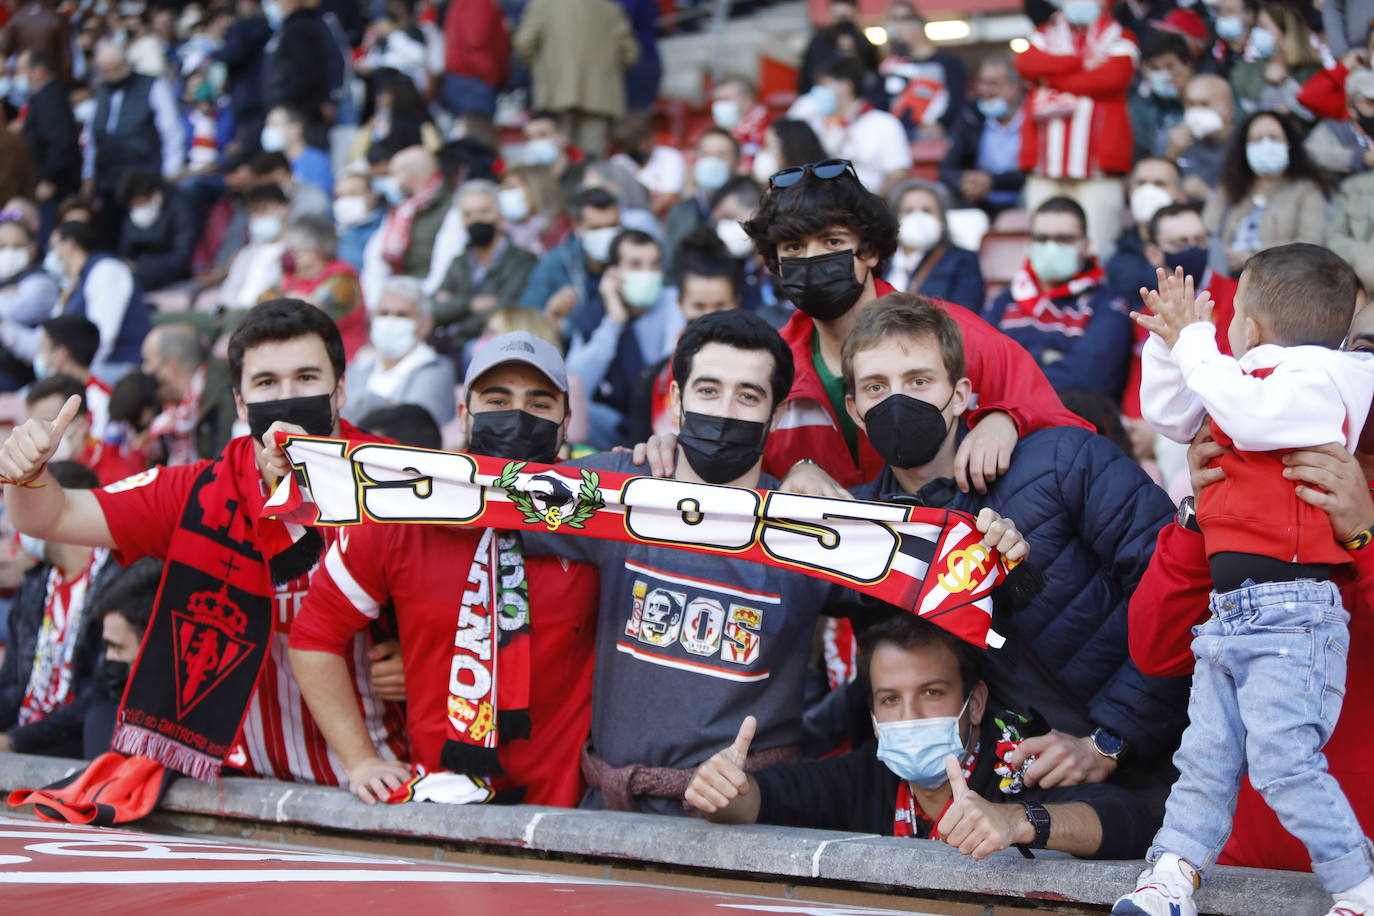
279	738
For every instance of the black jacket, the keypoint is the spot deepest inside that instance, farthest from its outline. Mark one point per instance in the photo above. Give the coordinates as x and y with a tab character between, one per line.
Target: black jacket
50	132
964	137
857	793
58	734
300	62
242	55
161	254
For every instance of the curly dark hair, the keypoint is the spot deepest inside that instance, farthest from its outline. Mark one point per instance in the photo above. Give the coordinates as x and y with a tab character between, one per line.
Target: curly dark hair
1236	175
813	205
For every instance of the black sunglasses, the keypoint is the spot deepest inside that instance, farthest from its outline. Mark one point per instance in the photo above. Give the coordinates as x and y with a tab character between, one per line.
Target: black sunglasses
826	169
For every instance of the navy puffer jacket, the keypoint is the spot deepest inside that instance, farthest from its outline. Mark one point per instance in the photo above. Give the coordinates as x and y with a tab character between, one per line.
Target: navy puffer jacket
1091	516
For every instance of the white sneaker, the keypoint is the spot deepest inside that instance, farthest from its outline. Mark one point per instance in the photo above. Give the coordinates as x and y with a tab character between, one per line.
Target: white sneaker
1164	890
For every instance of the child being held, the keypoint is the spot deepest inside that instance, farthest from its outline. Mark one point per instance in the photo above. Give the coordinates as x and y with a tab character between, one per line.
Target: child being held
1271	659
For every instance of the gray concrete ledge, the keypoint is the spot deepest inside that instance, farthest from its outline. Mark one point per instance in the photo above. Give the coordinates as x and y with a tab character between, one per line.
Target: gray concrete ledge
811	856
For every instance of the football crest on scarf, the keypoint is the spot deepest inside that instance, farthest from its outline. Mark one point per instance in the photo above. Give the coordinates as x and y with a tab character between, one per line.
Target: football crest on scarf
550	498
209	645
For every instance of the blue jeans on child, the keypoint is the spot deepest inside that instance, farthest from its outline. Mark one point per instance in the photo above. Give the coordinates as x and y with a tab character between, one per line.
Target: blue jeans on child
1267	690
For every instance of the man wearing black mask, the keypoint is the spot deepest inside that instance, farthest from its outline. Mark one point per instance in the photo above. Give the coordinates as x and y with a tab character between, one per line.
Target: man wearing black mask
685	640
1088	512
516	407
286	362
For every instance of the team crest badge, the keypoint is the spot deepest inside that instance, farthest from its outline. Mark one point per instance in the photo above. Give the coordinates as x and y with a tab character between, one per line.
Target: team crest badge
209	644
550	498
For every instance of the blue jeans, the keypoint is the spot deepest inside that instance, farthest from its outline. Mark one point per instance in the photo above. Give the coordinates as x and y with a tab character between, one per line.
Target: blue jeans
1267	691
462	94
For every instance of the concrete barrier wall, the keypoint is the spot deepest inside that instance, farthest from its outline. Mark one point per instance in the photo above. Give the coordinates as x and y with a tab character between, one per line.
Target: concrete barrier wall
910	868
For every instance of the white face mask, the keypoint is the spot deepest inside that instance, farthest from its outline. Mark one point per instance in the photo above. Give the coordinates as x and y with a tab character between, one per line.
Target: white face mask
273	138
920	231
144	215
394	335
52	265
734	238
13	260
264	228
350	210
1146	201
596	243
1202	122
765	164
514	205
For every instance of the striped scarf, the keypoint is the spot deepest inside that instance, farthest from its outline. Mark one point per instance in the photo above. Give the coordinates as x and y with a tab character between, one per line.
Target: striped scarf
1059	309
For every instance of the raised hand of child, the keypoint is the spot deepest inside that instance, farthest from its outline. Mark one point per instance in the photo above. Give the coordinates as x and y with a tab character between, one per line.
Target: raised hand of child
1173	306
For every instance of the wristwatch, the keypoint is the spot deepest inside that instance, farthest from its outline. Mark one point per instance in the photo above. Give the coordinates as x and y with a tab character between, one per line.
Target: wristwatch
1186	516
1108	743
1039	818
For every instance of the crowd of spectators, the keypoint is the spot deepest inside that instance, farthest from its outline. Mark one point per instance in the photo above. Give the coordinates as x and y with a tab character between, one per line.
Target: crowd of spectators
908	280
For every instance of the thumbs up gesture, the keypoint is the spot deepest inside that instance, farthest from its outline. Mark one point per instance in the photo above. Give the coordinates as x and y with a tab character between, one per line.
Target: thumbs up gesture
977	827
28	449
720	782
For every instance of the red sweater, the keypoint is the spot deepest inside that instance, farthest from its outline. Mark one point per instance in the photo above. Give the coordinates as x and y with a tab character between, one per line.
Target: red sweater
1077	124
421	571
1171	599
1004	377
476	43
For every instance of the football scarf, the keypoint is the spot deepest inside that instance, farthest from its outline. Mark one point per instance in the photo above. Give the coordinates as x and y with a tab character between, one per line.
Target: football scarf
493	626
50	679
212	621
931	562
1038	308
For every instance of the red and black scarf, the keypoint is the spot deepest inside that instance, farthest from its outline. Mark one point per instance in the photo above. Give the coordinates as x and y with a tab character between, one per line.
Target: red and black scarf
491	649
212	621
1035	306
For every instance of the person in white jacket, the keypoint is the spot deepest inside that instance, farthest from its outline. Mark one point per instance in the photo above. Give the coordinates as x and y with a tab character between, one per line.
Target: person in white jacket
1270	662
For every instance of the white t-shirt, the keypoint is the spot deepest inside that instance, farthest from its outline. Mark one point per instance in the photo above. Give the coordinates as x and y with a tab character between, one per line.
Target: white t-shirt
875	142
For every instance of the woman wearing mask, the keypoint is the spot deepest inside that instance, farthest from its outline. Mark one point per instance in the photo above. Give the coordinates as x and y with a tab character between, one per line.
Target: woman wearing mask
400	368
927	262
532	208
1270	194
28	295
312	271
399	120
1281	55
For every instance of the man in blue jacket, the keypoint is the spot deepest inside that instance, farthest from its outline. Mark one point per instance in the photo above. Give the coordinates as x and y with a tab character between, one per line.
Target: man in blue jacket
1090	515
565	283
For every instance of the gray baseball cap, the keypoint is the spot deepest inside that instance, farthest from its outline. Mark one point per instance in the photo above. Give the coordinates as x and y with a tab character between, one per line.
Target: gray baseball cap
518	347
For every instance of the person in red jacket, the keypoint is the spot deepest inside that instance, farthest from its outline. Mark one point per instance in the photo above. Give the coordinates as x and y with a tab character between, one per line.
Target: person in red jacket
476	57
1076	136
1172	598
825	235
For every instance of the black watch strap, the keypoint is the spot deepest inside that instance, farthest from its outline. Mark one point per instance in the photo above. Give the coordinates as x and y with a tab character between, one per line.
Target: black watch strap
1039	817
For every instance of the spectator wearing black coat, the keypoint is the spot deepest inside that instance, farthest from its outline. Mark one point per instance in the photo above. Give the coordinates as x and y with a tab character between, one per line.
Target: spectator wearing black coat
50	132
981	168
242	54
160	231
300	60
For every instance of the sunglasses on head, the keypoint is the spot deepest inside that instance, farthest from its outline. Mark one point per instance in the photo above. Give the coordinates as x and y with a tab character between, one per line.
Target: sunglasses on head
826	169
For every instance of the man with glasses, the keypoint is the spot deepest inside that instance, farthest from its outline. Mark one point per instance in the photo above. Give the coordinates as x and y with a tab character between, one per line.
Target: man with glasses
1060	308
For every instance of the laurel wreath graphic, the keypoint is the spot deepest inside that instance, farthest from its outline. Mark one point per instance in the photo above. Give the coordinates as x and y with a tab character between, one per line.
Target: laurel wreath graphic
588	499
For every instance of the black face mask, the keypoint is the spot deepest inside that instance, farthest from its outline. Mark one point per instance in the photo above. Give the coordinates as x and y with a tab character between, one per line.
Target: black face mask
1192	260
314	414
907	432
113	677
823	286
514	434
721	449
481	234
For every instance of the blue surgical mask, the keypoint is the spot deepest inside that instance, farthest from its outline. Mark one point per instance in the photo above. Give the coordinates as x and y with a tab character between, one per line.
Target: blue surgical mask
994	108
823	100
1054	262
1267	158
641	288
388	188
711	173
725	113
596	243
915	749
1081	12
1230	28
1262	42
541	152
1161	84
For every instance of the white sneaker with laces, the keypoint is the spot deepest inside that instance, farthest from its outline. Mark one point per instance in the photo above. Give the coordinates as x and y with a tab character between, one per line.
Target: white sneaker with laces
1164	890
